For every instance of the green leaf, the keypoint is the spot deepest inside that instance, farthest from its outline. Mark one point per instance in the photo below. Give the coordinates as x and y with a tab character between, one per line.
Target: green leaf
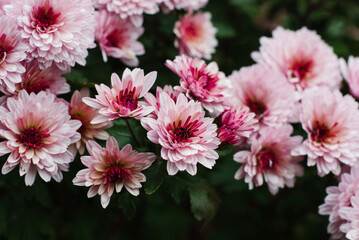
127	204
154	177
202	204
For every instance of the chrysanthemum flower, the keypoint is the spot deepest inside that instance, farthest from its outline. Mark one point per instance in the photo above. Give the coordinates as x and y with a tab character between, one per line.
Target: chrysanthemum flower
154	101
81	111
270	160
111	168
12	52
56	32
37	131
237	123
35	80
187	5
301	56
350	73
202	82
2	3
341	204
331	121
117	38
186	136
132	9
121	101
195	35
264	92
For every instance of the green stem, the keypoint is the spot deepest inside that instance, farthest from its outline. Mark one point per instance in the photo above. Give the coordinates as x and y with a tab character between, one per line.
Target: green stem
131	131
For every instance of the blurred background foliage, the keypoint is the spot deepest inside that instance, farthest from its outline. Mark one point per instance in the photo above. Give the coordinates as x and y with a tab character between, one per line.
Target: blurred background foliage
211	205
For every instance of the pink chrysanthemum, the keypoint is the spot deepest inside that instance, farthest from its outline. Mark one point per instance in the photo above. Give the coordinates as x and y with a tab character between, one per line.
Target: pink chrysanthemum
186	136
132	9
301	56
265	92
117	38
81	111
350	73
57	32
121	101
111	168
37	131
270	159
35	80
331	121
237	123
196	35
12	52
202	82
151	100
187	5
341	204
2	3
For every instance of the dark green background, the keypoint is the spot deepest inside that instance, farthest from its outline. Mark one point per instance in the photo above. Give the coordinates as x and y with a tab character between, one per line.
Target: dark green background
228	209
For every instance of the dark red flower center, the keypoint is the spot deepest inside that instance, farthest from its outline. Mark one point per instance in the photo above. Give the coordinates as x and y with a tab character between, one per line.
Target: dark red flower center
256	106
182	134
183	131
116	172
116	38
83	127
33	137
320	133
36	87
45	18
128	100
204	80
266	159
4	48
300	69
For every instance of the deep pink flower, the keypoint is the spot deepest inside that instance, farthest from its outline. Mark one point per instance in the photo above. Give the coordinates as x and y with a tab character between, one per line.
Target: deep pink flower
81	111
122	100
350	73
264	92
111	168
57	32
195	35
301	56
154	101
187	5
12	52
117	38
37	131
237	123
35	80
202	82
341	204
270	160
186	136
331	121
132	9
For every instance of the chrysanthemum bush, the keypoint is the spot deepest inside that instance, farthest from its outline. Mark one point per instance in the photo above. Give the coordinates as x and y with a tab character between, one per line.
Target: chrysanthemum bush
158	112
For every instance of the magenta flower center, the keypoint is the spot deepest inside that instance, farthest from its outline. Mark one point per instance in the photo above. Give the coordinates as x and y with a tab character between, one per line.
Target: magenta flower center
116	38
300	69
320	133
3	49
128	100
266	159
36	87
182	134
116	172
204	80
183	131
33	137
83	127
45	19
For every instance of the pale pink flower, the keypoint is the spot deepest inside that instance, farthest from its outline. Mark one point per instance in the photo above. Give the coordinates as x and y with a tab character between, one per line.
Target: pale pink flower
187	137
237	123
117	38
270	160
331	122
81	111
301	56
341	204
56	32
154	101
37	130
111	168
133	9
35	80
350	73
2	3
188	5
12	52
196	35
264	92
122	100
202	82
